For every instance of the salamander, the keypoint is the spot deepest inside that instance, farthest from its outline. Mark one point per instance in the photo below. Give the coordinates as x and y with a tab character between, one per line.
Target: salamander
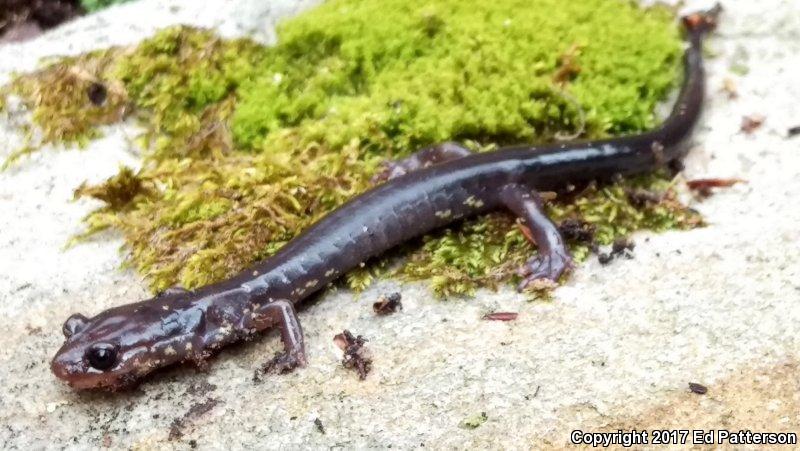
430	189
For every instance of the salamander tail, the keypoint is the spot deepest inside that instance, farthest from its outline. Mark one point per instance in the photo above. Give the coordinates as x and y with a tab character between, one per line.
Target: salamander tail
702	22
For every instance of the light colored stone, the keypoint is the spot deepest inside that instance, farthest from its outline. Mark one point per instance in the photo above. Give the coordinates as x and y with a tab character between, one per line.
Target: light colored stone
717	305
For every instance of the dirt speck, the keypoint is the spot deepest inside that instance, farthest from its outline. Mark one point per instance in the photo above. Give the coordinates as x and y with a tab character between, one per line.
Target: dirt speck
179	425
700	389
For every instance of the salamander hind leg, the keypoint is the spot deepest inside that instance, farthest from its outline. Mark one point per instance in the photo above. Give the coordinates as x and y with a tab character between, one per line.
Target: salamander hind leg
281	313
428	156
553	259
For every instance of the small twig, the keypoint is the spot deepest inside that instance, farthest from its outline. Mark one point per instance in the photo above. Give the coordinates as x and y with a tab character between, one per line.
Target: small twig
703	186
501	316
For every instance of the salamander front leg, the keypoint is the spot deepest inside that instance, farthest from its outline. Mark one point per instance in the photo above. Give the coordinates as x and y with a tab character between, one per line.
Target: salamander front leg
281	313
428	156
553	258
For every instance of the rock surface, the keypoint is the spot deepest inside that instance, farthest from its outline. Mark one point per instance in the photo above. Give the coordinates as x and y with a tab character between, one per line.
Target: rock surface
615	348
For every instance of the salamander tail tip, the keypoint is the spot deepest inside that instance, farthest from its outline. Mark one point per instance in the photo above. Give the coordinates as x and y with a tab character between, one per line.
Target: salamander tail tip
703	21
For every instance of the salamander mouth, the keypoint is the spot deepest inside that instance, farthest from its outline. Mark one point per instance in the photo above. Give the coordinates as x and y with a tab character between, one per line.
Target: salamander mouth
122	382
100	382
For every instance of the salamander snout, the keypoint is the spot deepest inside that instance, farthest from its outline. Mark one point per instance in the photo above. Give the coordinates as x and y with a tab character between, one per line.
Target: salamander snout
67	366
87	366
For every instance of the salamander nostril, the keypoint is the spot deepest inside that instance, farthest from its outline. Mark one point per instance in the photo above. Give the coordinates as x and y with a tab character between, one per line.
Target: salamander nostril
61	367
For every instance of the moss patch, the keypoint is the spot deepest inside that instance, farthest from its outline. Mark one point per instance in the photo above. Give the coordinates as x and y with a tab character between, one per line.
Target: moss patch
66	100
248	145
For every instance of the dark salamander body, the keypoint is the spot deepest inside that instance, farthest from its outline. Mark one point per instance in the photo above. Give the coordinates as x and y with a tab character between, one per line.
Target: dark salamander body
430	189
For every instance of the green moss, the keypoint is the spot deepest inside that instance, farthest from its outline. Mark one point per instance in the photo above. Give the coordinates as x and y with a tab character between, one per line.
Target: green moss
97	5
481	252
247	145
426	72
475	421
183	82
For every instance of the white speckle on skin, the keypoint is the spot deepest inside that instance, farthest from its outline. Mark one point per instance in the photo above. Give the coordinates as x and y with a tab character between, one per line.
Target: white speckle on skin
188	346
658	152
312	283
444	214
330	272
474	202
169	350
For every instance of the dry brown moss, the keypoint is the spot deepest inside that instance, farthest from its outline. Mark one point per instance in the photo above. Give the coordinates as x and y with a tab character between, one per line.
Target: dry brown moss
69	102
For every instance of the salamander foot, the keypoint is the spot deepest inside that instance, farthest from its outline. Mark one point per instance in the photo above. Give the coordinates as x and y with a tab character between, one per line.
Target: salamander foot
283	363
547	267
281	312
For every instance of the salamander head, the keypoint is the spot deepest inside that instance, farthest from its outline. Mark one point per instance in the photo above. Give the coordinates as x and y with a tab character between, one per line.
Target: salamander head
119	346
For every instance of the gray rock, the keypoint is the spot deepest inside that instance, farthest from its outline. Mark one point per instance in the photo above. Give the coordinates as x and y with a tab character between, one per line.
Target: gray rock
615	343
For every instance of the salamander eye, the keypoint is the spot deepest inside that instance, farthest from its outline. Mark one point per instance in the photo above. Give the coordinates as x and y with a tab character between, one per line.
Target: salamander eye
102	356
